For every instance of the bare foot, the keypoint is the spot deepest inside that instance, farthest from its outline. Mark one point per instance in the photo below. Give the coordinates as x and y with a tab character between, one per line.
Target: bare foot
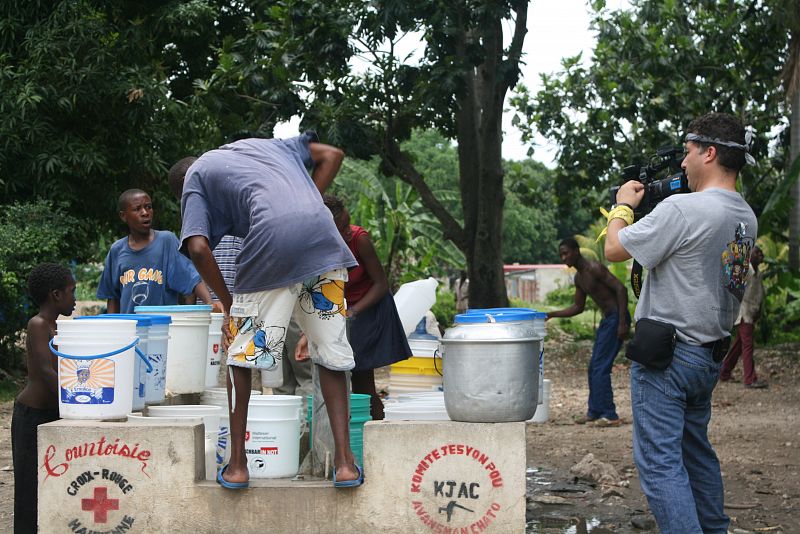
346	471
236	474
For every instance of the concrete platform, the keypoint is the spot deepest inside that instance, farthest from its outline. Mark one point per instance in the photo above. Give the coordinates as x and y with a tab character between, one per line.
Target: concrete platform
444	477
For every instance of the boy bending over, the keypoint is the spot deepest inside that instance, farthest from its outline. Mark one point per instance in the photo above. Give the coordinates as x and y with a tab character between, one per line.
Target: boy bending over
293	264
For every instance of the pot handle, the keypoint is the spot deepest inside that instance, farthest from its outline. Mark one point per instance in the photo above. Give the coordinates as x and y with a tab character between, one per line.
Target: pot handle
436	355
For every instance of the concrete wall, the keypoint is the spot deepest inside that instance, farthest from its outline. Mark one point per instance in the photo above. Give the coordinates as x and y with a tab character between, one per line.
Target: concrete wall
420	477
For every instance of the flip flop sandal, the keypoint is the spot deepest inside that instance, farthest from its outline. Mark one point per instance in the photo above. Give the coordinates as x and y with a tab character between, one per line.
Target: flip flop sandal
349	483
230	485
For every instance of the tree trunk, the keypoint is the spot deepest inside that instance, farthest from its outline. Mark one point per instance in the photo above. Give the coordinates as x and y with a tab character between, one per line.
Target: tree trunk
479	132
794	214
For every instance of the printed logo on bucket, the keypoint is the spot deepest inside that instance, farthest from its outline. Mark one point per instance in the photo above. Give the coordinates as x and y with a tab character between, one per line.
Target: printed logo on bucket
87	382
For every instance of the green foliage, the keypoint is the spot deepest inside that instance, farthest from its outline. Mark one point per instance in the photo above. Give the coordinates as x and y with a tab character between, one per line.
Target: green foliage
519	303
581	326
87	278
656	67
29	234
436	158
445	307
455	82
90	99
780	319
274	54
407	238
530	218
9	389
561	298
99	97
565	296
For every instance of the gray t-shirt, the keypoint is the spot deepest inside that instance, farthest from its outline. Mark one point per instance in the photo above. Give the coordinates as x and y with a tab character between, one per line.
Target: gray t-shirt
260	190
696	248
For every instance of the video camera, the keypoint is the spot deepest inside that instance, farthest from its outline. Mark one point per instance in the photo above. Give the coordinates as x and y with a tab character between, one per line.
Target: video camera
655	189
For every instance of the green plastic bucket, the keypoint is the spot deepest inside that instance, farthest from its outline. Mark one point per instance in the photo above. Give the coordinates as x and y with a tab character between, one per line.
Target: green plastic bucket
359	414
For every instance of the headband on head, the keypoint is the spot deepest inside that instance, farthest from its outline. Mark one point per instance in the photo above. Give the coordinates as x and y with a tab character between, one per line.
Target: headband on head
748	143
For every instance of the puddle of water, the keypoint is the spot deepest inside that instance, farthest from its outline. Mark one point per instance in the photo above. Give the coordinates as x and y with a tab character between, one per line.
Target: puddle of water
588	525
578	525
537	476
545	523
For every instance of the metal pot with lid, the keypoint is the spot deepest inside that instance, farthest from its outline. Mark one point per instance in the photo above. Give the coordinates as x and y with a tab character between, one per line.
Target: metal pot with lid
490	367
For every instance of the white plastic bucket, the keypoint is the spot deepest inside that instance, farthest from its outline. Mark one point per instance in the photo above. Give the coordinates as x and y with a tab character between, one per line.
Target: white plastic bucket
187	346
208	415
423	406
139	364
219	397
423	348
156	381
413	300
542	413
214	353
272	439
401	383
92	387
140	369
540	328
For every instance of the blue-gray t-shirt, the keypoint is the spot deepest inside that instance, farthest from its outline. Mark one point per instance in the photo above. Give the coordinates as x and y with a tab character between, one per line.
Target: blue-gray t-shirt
153	276
696	248
260	190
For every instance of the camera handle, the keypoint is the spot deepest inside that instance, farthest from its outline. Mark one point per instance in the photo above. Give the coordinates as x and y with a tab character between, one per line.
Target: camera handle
636	278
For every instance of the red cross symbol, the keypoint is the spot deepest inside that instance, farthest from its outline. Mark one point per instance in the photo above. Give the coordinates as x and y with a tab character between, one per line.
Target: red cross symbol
100	505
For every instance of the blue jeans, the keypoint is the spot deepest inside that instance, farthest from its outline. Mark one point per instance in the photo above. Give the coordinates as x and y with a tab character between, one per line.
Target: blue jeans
678	469
605	349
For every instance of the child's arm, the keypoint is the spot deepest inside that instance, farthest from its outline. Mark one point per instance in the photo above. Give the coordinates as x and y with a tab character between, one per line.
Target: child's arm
41	362
201	292
112	305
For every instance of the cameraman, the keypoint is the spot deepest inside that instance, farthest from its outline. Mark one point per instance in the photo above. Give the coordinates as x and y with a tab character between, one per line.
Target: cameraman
696	248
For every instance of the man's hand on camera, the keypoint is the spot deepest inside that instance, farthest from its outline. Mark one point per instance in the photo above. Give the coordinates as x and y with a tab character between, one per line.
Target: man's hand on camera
631	193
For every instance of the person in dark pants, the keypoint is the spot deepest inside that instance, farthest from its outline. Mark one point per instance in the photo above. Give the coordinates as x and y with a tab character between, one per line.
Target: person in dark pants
52	288
610	295
696	248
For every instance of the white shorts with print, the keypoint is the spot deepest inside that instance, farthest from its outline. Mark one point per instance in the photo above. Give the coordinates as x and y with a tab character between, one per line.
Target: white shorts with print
259	321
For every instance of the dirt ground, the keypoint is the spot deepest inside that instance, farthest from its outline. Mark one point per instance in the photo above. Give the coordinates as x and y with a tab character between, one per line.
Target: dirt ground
756	434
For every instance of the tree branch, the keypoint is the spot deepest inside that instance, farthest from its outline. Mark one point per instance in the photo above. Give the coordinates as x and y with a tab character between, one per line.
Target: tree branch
520	30
400	165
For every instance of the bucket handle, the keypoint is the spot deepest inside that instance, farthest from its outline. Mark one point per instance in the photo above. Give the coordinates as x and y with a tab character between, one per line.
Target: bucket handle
106	355
436	355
